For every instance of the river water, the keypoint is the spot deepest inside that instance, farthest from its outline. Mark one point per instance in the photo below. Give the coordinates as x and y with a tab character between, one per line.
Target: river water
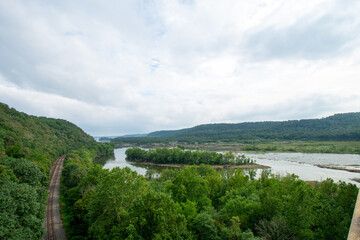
120	161
301	164
304	165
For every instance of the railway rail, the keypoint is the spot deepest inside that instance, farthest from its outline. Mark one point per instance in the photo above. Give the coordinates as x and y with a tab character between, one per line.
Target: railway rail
54	229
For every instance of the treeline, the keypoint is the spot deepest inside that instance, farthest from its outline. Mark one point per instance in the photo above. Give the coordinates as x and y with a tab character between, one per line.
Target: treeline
201	203
28	147
339	127
177	156
137	141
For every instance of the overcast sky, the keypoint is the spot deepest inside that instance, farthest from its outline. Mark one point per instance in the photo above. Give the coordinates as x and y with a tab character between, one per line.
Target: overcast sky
115	67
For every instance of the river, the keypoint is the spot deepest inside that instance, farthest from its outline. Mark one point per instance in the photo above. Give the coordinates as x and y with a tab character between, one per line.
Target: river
304	165
301	164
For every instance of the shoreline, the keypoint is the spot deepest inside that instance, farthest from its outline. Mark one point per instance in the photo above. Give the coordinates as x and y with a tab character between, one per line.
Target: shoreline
171	165
338	168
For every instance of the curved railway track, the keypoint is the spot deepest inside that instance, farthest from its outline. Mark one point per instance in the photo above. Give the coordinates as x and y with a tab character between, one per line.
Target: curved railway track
54	228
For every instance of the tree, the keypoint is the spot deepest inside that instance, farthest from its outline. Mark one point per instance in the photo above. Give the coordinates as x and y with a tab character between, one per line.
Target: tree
155	216
188	185
275	229
24	170
205	227
21	211
72	175
110	203
15	151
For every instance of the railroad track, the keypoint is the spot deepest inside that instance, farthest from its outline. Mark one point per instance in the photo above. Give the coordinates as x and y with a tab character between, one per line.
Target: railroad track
51	229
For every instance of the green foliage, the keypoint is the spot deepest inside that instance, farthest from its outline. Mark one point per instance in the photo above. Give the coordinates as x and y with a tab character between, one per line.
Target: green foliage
7	174
24	170
154	215
21	199
109	208
201	203
25	136
2	147
21	211
15	151
72	175
177	156
334	213
245	208
187	185
205	227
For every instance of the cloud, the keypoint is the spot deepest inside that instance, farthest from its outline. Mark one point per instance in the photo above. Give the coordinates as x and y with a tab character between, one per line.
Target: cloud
302	107
308	37
117	67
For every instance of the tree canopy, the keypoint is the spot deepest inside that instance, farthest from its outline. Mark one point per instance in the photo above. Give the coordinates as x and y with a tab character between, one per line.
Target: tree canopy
202	203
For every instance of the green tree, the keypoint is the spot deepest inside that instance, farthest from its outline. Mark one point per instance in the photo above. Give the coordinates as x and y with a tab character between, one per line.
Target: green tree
109	207
21	211
15	151
72	174
155	216
188	185
6	174
24	170
205	227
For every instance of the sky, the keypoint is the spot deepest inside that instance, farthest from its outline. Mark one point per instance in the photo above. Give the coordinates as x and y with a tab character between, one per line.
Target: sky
136	66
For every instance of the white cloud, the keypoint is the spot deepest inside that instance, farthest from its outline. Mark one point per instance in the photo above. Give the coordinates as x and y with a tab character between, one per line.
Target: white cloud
116	67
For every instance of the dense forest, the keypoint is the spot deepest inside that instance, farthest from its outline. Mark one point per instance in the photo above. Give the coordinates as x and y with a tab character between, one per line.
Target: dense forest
28	147
177	156
202	203
339	127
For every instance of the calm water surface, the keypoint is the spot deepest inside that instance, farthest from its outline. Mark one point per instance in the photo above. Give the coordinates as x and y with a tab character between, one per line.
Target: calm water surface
304	165
121	162
301	164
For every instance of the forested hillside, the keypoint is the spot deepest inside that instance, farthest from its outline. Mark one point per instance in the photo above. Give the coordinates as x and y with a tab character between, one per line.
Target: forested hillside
28	146
40	139
339	127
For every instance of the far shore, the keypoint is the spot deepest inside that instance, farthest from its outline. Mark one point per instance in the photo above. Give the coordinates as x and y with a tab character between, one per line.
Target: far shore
291	146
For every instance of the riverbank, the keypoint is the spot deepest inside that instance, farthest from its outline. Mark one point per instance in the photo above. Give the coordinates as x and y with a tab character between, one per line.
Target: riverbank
338	168
247	166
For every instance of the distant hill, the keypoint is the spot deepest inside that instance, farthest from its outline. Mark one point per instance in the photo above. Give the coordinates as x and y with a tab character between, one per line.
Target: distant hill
339	127
134	135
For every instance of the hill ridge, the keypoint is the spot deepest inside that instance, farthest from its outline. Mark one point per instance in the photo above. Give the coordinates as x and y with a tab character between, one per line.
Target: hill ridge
340	126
